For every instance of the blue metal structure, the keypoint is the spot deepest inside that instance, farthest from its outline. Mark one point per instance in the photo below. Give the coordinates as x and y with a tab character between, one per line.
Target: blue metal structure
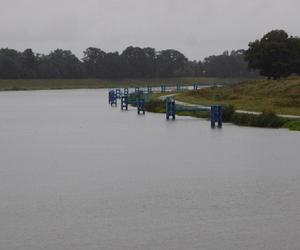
124	102
140	104
216	115
140	98
110	94
118	93
196	86
162	88
113	99
179	87
126	92
149	89
170	108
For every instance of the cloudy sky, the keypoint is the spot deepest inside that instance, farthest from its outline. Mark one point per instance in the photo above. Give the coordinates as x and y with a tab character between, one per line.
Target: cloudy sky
197	28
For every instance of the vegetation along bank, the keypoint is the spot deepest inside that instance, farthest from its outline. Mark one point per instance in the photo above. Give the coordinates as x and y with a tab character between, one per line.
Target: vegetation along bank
271	98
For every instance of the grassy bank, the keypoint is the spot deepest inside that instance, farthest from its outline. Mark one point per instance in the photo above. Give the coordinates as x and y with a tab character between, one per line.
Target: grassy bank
281	96
268	97
267	119
44	84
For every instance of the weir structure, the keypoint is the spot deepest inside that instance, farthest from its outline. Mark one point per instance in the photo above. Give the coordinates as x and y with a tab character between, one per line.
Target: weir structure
140	96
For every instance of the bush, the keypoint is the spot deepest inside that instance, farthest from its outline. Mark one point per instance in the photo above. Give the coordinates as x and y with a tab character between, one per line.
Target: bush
228	112
157	106
267	119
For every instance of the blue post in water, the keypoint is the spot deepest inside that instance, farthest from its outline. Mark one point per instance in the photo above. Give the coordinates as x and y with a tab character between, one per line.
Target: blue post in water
216	114
114	99
118	93
213	116
110	94
162	88
170	108
179	87
124	102
140	104
195	86
126	91
149	88
220	116
137	90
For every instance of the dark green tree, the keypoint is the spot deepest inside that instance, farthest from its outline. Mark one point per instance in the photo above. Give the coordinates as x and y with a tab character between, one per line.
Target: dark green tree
10	63
294	47
150	66
60	64
112	65
134	62
227	65
170	63
29	64
272	55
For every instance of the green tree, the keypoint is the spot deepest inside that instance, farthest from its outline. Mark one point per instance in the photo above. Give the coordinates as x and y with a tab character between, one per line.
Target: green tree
170	63
10	63
94	62
29	64
59	64
134	62
272	55
294	46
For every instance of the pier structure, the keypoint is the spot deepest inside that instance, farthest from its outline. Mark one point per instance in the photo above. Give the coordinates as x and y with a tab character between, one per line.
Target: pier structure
124	102
139	96
170	108
216	114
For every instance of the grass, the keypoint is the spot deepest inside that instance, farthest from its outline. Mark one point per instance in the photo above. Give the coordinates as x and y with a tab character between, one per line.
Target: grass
280	96
44	84
268	97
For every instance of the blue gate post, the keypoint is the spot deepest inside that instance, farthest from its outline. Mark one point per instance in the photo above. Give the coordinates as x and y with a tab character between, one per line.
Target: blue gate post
213	116
126	91
220	116
124	102
113	100
110	94
162	88
140	104
137	90
170	108
118	93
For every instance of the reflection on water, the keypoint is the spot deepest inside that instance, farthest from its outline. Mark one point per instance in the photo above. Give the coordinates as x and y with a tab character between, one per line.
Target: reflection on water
78	174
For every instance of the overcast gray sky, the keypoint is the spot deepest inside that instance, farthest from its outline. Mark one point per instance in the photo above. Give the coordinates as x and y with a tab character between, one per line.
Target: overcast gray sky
197	28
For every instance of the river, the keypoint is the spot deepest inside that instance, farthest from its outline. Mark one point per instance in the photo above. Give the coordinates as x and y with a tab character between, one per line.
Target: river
78	174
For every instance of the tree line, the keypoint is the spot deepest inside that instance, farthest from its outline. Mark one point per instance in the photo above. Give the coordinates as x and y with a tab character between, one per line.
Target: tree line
133	62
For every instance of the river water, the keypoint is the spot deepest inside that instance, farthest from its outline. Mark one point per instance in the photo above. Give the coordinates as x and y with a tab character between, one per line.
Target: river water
78	174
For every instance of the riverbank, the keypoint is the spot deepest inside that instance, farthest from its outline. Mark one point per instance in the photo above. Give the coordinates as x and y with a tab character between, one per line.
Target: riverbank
259	103
45	84
280	97
266	119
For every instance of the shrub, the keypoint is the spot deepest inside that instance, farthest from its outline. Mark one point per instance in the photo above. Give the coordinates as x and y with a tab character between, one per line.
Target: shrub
157	106
266	119
228	112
